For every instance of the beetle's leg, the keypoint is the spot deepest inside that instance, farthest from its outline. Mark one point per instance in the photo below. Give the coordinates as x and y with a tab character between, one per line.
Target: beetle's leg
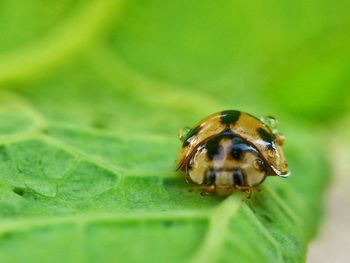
246	189
209	190
256	189
249	193
249	190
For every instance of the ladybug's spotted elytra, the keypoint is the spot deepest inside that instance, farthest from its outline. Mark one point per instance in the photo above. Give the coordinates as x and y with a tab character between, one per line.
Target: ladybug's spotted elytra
231	150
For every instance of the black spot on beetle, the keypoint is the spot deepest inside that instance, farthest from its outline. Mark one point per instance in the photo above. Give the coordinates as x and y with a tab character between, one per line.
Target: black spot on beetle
213	146
236	153
229	116
267	137
190	164
190	134
211	177
238	177
239	147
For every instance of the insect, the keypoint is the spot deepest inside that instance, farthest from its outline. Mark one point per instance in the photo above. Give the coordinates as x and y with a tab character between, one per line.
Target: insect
231	150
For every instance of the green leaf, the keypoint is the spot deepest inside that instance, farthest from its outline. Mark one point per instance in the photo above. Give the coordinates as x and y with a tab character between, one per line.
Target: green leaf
91	101
293	55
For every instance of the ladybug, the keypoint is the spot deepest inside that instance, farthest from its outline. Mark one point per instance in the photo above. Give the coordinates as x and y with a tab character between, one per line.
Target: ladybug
231	150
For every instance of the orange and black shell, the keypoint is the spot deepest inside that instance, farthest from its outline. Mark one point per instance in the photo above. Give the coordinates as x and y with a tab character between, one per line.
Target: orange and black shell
242	125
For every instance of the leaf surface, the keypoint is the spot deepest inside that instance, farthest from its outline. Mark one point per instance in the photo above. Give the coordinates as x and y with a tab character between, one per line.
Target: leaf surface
89	113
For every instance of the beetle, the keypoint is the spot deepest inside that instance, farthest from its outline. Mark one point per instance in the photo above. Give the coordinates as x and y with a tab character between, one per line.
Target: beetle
231	150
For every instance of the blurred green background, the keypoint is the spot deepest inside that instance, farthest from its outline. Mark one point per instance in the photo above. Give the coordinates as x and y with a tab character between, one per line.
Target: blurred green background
93	93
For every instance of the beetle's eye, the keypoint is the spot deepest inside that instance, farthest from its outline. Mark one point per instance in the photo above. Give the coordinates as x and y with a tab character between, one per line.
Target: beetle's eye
238	178
259	165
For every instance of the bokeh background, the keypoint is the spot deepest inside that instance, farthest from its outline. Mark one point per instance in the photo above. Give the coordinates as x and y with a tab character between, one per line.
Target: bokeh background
83	72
